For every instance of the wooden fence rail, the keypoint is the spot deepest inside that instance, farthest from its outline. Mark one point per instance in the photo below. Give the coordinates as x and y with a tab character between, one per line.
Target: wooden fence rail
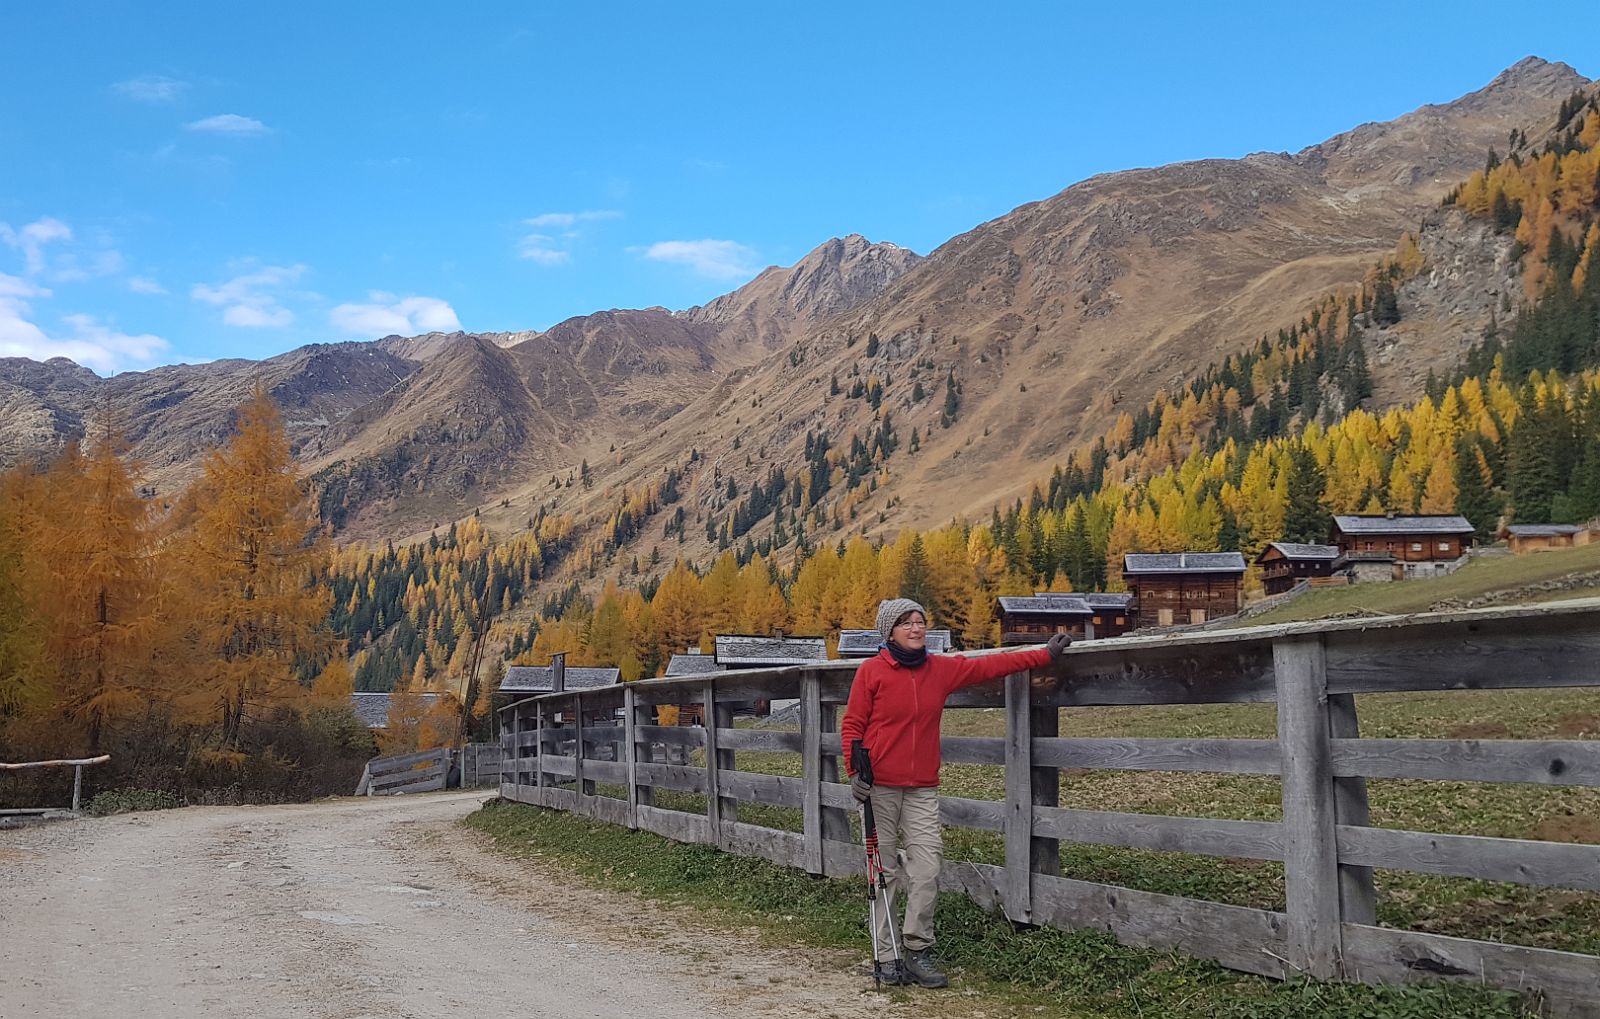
560	749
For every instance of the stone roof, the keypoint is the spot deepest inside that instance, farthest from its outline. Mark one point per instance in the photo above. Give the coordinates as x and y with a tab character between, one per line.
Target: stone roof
1441	523
536	678
1295	550
865	643
1046	604
1098	600
1542	530
752	650
695	664
1182	562
373	708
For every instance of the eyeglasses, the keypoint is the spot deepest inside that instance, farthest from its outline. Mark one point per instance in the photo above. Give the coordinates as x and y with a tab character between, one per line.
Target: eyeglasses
913	624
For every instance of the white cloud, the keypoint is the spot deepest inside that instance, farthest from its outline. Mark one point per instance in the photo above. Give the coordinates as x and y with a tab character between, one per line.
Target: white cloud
541	248
31	239
251	300
721	260
150	88
145	285
89	342
229	123
550	219
388	315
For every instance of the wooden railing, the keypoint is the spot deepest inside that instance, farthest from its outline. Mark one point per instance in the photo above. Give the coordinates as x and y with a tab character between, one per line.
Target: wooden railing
1328	849
425	771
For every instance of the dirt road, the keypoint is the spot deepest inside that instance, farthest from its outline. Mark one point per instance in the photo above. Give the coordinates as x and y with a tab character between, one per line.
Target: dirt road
375	908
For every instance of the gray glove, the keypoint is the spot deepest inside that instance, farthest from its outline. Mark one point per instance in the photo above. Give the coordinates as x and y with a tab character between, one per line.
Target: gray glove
1056	645
860	788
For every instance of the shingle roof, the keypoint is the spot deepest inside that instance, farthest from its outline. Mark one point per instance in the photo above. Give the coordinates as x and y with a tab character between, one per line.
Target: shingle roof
373	708
692	665
1374	524
536	678
865	643
1046	604
1183	562
1295	550
1097	599
1541	530
745	649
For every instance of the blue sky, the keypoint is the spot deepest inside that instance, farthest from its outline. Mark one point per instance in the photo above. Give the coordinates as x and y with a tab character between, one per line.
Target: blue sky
187	182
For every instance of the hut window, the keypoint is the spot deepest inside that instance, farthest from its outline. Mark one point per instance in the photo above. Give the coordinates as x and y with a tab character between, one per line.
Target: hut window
1444	546
1416	546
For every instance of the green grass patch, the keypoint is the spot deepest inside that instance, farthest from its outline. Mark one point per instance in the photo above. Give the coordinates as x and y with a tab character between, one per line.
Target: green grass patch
1541	576
1081	974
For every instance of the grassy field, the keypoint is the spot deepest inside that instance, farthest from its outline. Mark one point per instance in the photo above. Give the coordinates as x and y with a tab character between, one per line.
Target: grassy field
1489	579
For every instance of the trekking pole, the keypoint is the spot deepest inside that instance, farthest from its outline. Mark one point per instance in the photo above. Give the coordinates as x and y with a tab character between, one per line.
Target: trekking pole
877	881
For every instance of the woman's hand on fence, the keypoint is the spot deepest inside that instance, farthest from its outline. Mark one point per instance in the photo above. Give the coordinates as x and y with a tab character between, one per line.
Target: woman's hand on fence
860	788
1057	643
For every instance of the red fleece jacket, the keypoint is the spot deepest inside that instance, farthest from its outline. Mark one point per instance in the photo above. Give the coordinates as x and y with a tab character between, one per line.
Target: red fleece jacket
896	710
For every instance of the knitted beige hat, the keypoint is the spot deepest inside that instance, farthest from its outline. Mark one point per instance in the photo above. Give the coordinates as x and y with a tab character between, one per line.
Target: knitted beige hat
890	611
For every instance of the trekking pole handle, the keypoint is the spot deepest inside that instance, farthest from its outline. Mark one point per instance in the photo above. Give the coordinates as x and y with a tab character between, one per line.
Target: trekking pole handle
861	761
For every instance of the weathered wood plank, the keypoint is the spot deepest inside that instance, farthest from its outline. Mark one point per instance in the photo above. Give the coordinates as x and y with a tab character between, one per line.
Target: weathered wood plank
1566	980
1523	861
1310	858
674	824
811	772
973	749
778	790
778	740
674	735
405	762
984	815
1207	836
1252	940
836	795
567	767
1483	654
1223	756
786	849
1135	671
987	695
605	771
557	798
841	858
585	787
672	776
1019	798
1358	892
1537	761
605	808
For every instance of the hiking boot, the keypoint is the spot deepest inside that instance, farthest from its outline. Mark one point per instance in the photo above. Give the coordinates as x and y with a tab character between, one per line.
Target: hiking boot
920	968
892	973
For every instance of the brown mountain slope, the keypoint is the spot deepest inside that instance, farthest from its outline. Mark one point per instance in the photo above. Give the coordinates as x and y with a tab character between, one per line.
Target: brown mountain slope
779	304
1064	312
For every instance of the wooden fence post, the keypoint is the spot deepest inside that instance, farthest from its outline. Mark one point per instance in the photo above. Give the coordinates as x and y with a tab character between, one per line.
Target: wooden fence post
1019	800
630	754
708	722
1310	849
511	751
835	820
811	767
538	743
1358	896
579	784
1046	853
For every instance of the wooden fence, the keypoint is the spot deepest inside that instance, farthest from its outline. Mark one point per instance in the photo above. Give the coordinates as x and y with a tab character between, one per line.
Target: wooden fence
1325	842
425	771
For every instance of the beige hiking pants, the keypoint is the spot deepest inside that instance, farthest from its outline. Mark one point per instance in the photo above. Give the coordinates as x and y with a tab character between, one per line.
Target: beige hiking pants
912	844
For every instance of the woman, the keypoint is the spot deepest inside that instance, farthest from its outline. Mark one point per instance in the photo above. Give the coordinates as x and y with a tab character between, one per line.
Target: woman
896	705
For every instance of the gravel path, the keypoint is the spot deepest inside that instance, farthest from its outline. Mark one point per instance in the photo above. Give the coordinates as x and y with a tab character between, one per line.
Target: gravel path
375	908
